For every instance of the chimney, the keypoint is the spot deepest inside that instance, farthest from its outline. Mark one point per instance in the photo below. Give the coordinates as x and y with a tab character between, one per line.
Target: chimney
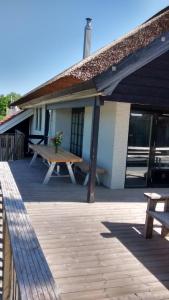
87	38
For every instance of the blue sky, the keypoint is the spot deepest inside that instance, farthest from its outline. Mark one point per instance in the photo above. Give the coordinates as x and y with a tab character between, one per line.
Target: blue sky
40	38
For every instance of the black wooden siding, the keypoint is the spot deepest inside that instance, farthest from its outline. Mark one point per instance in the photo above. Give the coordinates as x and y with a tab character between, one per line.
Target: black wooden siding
148	85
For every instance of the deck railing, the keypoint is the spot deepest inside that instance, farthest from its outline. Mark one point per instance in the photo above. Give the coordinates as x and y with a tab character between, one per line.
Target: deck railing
12	146
26	274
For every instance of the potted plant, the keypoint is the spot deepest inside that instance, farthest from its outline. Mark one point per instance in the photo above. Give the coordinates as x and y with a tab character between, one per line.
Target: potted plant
57	140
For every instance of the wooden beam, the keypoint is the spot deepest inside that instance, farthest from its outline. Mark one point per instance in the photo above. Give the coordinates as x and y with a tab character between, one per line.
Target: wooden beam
36	136
60	96
72	104
133	99
137	89
93	151
146	81
84	86
46	130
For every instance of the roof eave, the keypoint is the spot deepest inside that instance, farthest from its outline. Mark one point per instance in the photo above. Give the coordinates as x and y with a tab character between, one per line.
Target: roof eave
80	91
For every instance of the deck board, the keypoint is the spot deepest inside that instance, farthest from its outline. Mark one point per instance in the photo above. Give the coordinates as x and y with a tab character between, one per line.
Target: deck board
95	251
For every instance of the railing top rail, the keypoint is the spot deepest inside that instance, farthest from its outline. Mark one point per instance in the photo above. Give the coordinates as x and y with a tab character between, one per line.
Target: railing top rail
34	277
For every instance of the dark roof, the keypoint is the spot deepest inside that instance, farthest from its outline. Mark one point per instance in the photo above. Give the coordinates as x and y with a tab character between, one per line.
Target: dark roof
10	117
101	60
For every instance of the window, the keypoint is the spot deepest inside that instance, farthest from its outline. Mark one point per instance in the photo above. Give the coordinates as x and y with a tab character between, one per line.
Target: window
77	125
38	119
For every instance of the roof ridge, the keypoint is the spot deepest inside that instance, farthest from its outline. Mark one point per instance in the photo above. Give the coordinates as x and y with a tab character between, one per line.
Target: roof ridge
105	57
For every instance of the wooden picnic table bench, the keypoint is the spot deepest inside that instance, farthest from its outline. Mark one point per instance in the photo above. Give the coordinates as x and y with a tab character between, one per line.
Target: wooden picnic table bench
62	156
160	216
85	168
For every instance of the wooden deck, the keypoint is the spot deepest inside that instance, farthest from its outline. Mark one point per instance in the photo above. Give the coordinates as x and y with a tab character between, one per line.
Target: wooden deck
95	251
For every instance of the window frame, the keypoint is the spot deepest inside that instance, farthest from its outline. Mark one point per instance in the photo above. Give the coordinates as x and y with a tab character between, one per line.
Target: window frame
77	131
38	118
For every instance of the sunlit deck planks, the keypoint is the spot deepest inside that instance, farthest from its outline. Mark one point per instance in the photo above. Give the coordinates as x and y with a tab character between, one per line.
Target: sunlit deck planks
96	251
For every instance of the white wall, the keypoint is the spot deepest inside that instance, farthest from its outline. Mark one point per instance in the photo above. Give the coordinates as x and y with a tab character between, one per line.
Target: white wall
120	141
112	145
105	143
61	121
32	123
87	132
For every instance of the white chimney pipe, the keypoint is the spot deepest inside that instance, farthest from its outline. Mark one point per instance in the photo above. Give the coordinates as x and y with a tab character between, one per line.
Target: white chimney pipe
87	38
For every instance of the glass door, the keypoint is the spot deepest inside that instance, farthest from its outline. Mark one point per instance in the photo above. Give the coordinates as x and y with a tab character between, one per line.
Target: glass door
159	151
77	124
137	164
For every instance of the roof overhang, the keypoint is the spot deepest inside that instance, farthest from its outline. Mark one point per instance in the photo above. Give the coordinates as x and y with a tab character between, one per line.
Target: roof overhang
107	82
15	120
83	91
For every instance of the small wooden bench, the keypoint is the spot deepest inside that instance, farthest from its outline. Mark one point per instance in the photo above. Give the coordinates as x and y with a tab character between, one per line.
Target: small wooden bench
161	216
84	167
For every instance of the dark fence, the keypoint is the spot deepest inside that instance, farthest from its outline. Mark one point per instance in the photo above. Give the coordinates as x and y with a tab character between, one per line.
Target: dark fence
12	146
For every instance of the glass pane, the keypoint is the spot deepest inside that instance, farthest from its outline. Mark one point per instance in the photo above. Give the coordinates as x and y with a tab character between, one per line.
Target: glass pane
77	130
138	149
160	153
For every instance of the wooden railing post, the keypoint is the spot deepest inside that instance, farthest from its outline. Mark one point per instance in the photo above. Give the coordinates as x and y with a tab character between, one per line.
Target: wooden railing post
7	262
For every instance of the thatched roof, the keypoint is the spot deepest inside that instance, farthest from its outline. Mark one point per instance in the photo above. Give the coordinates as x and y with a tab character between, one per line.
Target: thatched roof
104	58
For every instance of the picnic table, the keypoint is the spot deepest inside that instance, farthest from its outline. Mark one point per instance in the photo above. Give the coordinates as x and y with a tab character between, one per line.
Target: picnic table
62	156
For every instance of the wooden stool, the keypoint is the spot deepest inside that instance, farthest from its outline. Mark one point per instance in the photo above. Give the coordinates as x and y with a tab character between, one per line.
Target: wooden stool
161	216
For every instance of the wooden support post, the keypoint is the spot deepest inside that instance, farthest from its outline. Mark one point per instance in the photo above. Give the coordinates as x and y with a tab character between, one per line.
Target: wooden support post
151	158
7	261
46	131
93	151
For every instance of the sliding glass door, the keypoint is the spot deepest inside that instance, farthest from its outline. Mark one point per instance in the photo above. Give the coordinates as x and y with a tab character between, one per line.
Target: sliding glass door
159	154
147	161
138	149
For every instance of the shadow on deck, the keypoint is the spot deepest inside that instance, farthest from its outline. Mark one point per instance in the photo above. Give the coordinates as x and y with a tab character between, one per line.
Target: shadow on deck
95	251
